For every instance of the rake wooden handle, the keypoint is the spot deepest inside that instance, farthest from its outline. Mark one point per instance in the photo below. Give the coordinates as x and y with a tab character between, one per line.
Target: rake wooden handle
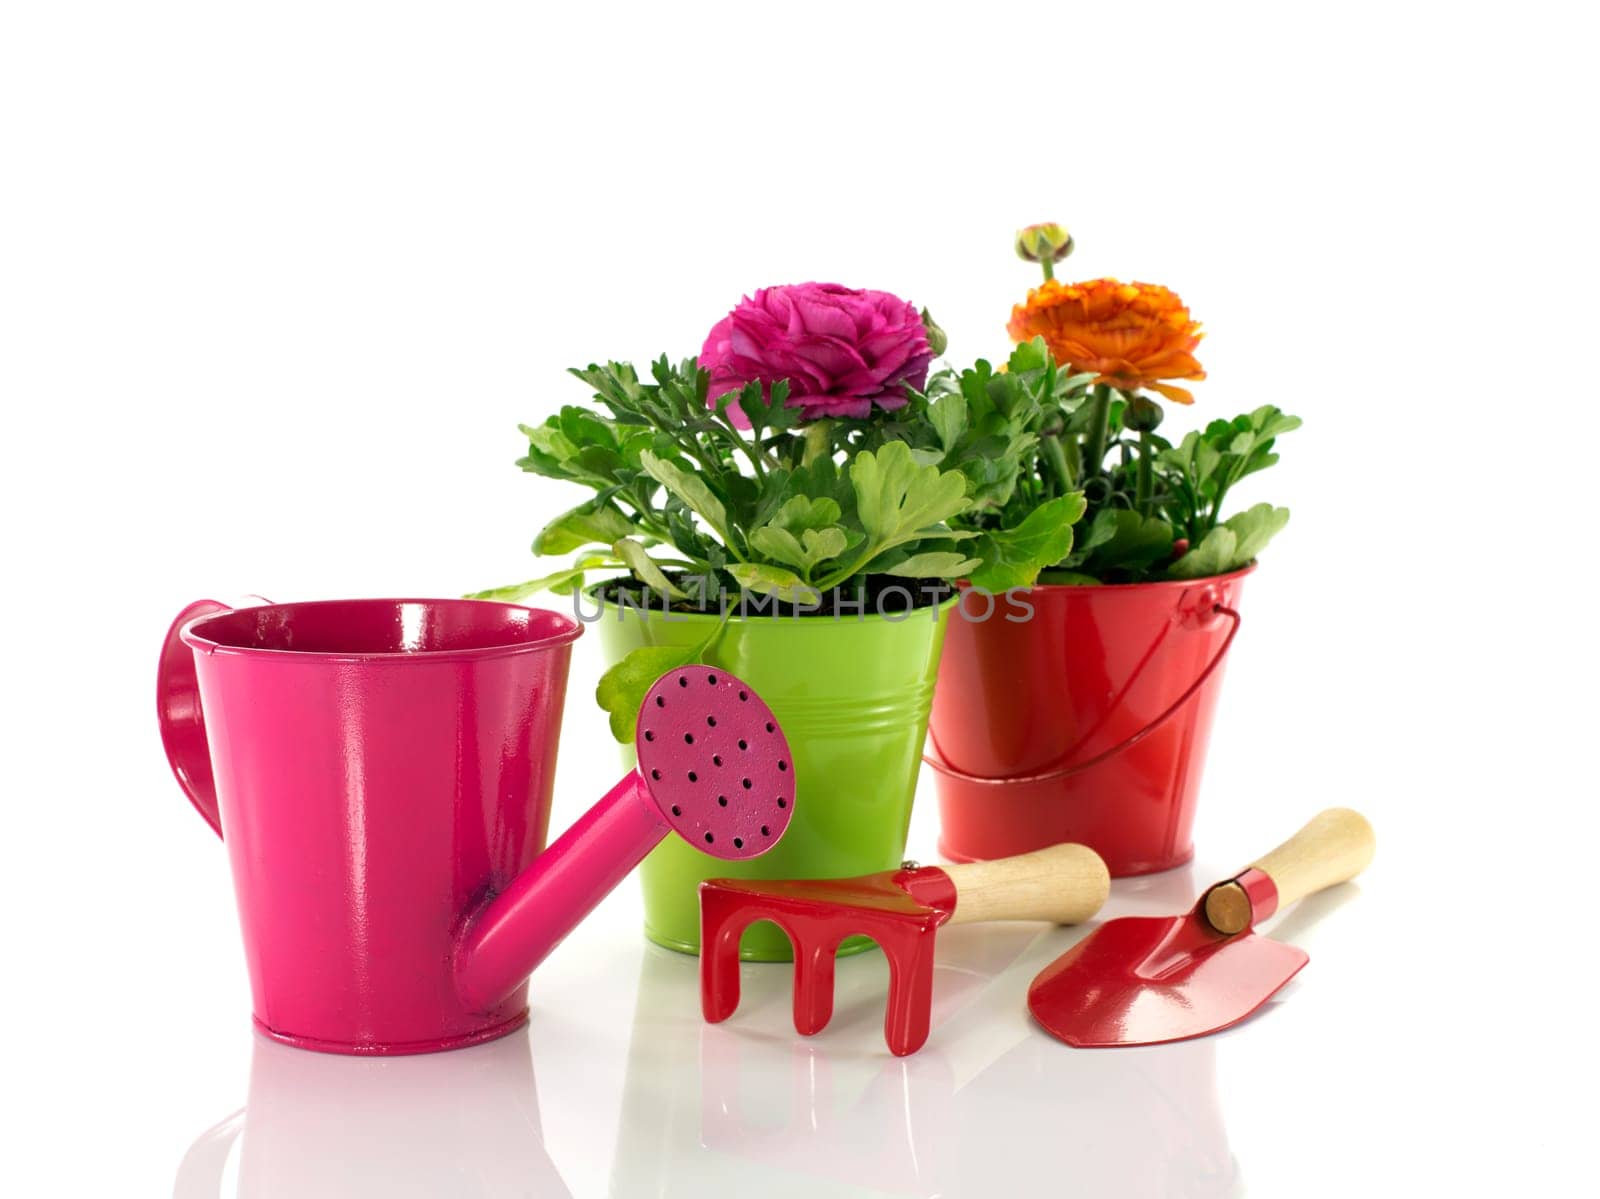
1064	883
1333	848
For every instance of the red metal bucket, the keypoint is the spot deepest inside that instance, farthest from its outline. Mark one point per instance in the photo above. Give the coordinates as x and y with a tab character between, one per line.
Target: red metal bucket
1080	714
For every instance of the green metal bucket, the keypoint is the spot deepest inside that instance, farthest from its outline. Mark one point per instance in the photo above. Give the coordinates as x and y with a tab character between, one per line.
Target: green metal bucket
853	696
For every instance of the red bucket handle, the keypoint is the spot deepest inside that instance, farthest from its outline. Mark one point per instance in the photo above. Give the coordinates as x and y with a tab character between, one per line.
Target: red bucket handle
936	761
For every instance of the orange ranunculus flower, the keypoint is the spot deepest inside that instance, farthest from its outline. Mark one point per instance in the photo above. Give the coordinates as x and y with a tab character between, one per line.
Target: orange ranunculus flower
1127	334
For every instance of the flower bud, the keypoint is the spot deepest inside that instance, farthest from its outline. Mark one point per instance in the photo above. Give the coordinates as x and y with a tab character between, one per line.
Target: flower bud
1037	243
937	338
1142	415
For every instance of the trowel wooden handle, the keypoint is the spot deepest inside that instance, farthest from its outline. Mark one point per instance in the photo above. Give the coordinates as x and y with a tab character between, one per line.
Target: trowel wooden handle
1064	883
1333	848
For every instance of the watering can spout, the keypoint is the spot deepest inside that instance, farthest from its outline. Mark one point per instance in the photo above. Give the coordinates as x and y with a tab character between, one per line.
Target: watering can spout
516	930
713	767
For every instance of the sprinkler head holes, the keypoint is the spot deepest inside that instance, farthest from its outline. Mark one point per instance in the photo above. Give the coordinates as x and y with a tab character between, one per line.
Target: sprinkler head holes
715	762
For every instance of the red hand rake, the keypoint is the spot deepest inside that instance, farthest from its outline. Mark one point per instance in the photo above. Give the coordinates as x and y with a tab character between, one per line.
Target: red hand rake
900	910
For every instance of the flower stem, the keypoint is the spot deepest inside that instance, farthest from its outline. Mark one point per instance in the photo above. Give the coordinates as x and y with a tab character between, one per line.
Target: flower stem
1142	486
751	450
1099	426
819	441
1048	266
1059	466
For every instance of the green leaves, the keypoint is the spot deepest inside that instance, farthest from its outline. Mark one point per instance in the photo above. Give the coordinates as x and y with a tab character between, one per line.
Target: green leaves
1120	539
765	507
1255	527
587	524
1200	470
898	501
766	579
1014	557
767	414
802	513
804	553
1212	556
1232	544
1035	433
998	428
690	489
983	475
622	689
934	564
949	416
644	568
561	582
1195	477
803	533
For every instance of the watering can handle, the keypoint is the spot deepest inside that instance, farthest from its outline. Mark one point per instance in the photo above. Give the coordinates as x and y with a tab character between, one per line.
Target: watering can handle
183	724
936	759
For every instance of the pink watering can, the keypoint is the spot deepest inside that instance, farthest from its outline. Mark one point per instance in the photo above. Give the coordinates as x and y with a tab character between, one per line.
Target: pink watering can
380	772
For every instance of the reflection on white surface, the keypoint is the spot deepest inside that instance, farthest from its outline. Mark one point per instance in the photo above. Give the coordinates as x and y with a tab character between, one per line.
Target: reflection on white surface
1169	893
663	1105
462	1124
990	1106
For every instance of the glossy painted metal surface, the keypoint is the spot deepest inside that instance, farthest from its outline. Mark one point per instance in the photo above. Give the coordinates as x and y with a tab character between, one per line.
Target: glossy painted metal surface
379	768
899	909
1083	722
381	773
852	696
1146	980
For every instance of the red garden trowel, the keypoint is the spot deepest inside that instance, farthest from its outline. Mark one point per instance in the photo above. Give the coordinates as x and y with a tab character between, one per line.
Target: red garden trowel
1142	980
900	910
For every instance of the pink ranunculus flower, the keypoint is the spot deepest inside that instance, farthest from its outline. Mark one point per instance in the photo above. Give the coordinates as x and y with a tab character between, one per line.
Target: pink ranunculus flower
842	350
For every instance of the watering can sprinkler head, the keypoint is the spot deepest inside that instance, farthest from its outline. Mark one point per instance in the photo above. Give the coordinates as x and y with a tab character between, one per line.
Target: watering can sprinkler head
714	767
715	763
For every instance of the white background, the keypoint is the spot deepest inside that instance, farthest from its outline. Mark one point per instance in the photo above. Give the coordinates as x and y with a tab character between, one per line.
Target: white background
277	282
